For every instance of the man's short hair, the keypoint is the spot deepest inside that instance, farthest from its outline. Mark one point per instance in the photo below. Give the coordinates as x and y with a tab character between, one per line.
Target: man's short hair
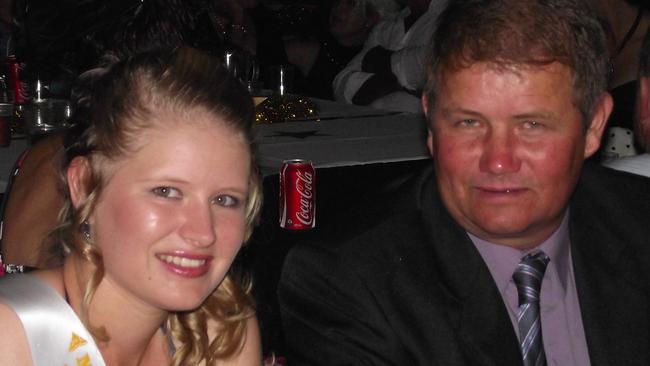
644	62
509	34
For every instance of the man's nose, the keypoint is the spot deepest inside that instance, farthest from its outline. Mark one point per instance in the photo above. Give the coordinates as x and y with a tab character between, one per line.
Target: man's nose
499	155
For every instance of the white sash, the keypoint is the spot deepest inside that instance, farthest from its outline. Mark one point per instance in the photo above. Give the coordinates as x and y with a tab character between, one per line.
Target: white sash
56	336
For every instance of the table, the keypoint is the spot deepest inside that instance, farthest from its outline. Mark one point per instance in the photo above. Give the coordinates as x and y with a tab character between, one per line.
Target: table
343	141
345	135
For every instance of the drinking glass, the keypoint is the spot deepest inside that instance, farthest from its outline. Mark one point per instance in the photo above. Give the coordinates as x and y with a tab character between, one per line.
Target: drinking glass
243	66
281	79
46	115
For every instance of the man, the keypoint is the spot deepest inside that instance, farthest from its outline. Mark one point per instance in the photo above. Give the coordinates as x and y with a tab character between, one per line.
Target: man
508	232
640	164
389	71
321	59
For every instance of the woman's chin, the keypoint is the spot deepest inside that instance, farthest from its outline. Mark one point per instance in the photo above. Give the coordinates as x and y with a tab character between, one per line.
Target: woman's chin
183	302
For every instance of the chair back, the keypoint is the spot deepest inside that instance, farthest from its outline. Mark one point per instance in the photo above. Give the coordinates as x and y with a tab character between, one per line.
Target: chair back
31	204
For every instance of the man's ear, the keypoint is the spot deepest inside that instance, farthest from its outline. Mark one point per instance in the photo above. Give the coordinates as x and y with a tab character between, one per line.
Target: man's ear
430	142
642	122
425	107
598	121
78	175
643	98
424	100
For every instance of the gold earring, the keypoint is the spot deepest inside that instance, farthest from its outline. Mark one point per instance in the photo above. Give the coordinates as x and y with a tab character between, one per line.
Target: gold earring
84	228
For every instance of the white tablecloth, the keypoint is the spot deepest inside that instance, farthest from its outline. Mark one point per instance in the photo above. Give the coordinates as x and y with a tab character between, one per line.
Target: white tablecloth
345	135
341	142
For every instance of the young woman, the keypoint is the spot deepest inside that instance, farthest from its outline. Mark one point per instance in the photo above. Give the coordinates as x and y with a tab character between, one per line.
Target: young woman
161	191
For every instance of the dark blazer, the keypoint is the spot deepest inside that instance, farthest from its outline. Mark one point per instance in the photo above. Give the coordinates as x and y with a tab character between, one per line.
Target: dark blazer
413	290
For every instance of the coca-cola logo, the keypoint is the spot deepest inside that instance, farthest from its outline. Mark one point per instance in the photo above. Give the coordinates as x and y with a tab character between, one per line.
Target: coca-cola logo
305	187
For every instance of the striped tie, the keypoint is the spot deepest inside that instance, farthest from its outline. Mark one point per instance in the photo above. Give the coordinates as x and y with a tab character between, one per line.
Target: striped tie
528	278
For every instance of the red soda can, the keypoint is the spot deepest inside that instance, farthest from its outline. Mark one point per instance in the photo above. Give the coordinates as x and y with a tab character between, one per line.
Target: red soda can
297	195
18	85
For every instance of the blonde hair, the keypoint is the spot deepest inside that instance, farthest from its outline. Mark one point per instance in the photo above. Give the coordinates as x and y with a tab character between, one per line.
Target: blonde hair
122	104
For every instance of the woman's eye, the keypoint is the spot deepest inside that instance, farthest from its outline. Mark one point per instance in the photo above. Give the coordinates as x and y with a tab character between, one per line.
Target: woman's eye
167	192
227	201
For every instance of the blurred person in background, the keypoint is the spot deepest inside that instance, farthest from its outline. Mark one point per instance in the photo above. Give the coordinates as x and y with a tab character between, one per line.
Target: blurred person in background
318	60
60	40
389	72
254	32
640	164
5	25
625	22
233	17
5	11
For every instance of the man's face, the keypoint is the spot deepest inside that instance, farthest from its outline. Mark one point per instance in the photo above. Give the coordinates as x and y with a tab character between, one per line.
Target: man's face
346	19
508	146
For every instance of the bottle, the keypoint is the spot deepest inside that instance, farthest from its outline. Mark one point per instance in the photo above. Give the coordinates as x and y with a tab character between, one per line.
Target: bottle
6	112
20	88
17	80
4	90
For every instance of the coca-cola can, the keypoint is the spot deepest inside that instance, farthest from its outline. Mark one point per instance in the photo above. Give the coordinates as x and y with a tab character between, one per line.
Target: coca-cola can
19	86
297	195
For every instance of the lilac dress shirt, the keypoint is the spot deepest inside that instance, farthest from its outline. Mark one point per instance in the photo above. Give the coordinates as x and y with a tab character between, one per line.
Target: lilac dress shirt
562	330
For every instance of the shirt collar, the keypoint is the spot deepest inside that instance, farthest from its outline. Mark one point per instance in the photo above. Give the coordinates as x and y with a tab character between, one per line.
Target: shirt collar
502	260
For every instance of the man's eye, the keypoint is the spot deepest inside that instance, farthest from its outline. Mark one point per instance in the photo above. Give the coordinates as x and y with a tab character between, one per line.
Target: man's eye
468	123
227	201
532	124
167	192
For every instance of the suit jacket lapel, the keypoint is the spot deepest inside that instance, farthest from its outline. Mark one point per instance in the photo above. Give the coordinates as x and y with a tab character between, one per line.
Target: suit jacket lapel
478	312
609	246
486	328
613	304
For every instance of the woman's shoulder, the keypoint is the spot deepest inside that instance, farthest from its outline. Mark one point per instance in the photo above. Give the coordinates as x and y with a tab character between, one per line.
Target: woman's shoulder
14	349
53	278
